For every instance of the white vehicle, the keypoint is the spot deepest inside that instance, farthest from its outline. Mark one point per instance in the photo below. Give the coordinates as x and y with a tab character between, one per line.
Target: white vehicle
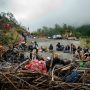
54	36
57	37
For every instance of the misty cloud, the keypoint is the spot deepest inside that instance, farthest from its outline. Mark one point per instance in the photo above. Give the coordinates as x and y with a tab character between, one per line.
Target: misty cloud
38	13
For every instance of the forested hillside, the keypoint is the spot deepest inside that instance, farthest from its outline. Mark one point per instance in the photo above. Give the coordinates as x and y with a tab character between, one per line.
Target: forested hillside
10	29
82	31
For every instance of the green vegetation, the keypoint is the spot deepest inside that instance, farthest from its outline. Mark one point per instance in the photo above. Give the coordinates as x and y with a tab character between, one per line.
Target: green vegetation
85	42
82	31
11	34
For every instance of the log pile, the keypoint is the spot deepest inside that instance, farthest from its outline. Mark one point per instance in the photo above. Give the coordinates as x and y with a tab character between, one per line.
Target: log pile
37	81
27	80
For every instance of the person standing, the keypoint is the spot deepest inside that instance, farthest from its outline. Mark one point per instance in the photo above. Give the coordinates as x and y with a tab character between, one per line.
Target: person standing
51	48
30	48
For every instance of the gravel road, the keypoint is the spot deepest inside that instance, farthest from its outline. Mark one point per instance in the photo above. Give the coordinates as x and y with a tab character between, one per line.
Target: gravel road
47	42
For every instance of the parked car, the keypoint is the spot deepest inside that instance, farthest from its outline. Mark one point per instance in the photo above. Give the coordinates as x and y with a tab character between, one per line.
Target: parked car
57	36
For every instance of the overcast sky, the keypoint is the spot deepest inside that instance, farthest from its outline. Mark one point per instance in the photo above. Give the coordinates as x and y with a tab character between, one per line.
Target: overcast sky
37	13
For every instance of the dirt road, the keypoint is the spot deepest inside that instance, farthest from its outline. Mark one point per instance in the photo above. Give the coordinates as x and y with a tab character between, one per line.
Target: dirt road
47	42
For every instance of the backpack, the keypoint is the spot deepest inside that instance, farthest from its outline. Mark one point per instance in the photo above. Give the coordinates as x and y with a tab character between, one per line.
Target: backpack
72	77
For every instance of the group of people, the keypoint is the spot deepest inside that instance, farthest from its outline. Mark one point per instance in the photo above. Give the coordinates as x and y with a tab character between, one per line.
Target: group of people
69	74
82	53
78	52
10	55
66	49
16	52
47	64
